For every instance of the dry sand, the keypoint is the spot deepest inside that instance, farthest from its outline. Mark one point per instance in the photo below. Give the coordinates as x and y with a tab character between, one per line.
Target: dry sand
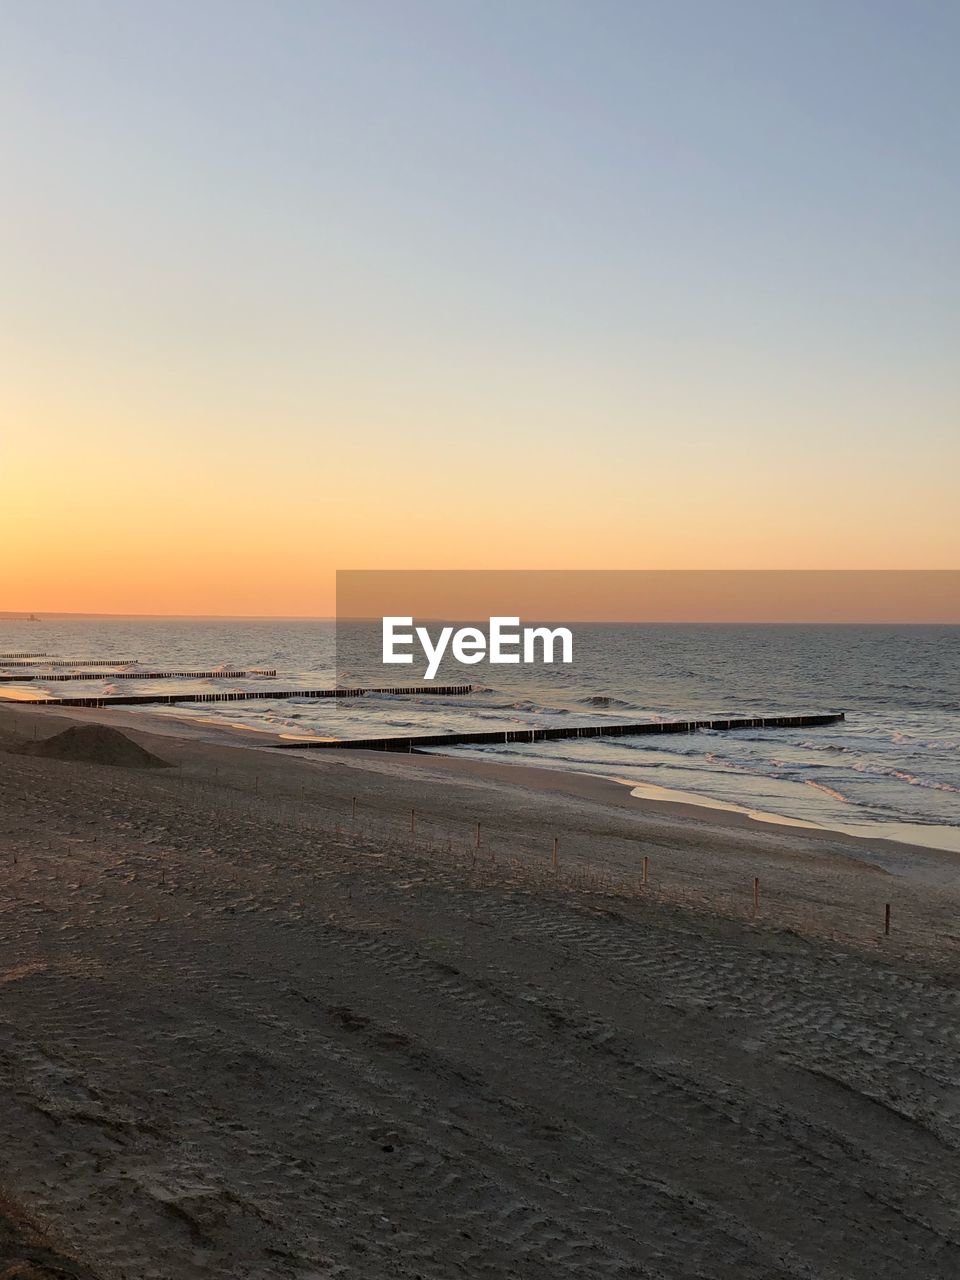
93	744
245	1034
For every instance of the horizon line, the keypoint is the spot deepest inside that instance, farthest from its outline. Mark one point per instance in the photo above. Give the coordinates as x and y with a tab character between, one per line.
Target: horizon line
56	615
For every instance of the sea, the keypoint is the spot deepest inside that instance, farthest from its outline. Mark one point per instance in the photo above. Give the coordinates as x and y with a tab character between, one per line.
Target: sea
890	769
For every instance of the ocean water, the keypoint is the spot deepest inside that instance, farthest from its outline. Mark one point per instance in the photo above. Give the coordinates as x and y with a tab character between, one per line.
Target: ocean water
892	768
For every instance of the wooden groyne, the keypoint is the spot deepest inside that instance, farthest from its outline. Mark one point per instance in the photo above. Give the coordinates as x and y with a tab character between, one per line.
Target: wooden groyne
136	675
21	655
235	695
504	736
69	662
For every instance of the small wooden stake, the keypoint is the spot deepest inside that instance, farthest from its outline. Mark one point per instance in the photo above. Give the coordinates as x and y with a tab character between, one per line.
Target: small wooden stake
413	822
756	895
646	868
478	835
354	814
556	851
886	921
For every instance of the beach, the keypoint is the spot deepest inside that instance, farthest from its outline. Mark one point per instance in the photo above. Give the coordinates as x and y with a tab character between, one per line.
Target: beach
250	1029
888	766
479	642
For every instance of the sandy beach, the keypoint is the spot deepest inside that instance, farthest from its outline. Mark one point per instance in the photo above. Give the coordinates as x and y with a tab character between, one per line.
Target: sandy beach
252	1029
479	641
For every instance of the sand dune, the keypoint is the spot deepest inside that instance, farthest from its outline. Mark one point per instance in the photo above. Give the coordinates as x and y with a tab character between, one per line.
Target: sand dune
93	744
242	1035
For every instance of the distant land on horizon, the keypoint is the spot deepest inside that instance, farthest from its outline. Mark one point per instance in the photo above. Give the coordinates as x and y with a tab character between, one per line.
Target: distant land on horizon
52	615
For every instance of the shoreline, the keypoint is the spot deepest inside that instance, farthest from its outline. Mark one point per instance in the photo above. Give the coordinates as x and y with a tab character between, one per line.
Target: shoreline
878	850
898	857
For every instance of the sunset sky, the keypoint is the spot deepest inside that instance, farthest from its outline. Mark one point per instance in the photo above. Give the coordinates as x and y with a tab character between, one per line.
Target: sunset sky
290	287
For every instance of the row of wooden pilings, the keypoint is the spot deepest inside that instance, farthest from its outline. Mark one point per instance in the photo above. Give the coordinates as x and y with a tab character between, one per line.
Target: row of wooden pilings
239	695
35	661
644	866
417	742
49	677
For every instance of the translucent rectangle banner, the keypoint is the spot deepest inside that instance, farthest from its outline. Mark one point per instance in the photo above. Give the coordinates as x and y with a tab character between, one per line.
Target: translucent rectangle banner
444	627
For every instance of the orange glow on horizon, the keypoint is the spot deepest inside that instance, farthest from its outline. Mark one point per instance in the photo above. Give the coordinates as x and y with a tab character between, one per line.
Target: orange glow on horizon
242	509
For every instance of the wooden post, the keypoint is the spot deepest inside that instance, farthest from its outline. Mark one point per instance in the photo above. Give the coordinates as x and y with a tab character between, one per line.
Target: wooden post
756	895
413	822
354	814
886	921
646	868
478	835
556	851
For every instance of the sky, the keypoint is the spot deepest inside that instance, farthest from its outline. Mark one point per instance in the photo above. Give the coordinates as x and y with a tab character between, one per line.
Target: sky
309	285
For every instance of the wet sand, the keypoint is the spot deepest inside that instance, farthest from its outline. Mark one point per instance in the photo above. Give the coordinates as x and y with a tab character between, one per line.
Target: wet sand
247	1033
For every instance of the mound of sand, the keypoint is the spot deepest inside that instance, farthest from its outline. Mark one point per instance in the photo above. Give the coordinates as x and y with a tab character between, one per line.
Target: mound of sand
95	744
